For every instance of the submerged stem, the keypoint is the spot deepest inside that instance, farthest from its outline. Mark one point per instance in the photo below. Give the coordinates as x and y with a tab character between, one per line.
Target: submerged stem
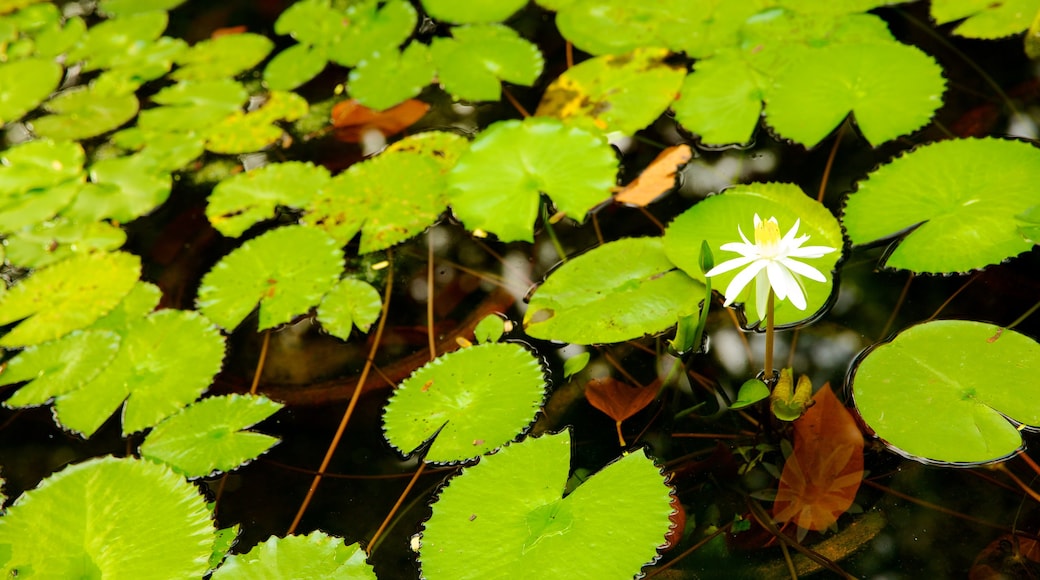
552	233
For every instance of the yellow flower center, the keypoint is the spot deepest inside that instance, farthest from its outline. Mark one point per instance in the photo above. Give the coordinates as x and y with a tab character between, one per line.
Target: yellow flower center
767	237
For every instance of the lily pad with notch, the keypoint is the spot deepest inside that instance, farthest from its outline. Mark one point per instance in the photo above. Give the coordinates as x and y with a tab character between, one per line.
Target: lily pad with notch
242	200
315	555
477	59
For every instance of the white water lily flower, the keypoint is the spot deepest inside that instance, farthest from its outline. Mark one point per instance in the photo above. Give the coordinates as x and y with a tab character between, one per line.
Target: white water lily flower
769	261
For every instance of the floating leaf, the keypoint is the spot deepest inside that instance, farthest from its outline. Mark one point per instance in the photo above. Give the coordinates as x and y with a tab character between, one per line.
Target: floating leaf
374	26
294	66
473	400
193	106
619	291
390	197
81	113
242	200
135	187
506	518
387	78
24	84
490	328
823	473
119	41
252	131
312	22
206	438
350	303
66	296
58	367
109	518
984	19
472	12
315	555
53	241
617	26
891	88
619	400
972	378
657	179
615	92
716	219
721	100
751	392
224	56
127	7
165	361
38	165
286	270
957	199
140	302
143	62
471	64
497	184
352	119
35	206
575	364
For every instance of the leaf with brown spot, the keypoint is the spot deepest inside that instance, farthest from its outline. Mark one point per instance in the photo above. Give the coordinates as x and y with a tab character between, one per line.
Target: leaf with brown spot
657	179
823	473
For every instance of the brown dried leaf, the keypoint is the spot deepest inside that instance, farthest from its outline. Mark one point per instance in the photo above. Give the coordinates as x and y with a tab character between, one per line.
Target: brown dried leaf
351	119
657	179
618	400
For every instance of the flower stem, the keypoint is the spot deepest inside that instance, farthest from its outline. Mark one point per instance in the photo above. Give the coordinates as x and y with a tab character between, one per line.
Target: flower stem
769	335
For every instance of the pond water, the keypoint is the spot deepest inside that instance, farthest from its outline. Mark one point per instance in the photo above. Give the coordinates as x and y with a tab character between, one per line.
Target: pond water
911	521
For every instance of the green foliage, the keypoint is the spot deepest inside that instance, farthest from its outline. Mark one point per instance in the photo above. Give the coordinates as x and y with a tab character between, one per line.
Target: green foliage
81	113
348	304
959	195
490	328
242	200
315	555
66	296
206	438
472	62
58	367
24	84
619	291
713	221
751	392
505	517
472	12
383	79
497	183
286	270
464	408
108	517
975	377
985	19
224	56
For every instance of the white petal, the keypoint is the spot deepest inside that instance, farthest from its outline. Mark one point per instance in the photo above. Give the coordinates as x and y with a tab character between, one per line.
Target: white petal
793	232
809	251
761	294
742	249
780	279
803	269
797	295
743	237
741	280
758	221
730	265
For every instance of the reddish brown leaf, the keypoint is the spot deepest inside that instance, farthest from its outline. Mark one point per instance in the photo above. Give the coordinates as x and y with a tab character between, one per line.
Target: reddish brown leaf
1006	557
618	400
823	473
657	179
677	526
351	119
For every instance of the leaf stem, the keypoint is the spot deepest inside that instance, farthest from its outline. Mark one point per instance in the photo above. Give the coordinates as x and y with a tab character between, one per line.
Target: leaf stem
770	319
386	521
552	233
260	362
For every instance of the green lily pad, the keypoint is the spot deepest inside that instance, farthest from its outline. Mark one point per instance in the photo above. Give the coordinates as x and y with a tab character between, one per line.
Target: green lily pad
615	92
24	84
138	187
958	198
50	242
67	296
81	113
576	364
286	270
112	518
986	19
56	39
751	392
497	184
350	303
721	100
490	328
388	198
716	220
618	26
242	200
891	88
143	62
58	367
207	438
371	27
165	361
193	106
36	206
472	12
474	400
294	66
311	22
222	57
387	78
127	7
315	555
506	517
619	291
119	41
471	64
950	391
252	131
143	298
38	165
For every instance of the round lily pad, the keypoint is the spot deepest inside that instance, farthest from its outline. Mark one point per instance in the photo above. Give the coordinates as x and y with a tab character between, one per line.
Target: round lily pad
242	200
109	518
59	239
370	27
472	12
473	400
294	66
506	517
619	291
471	64
350	303
721	100
224	56
716	220
57	367
497	184
950	391
316	555
38	165
114	41
286	270
81	113
24	84
954	204
985	19
384	79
